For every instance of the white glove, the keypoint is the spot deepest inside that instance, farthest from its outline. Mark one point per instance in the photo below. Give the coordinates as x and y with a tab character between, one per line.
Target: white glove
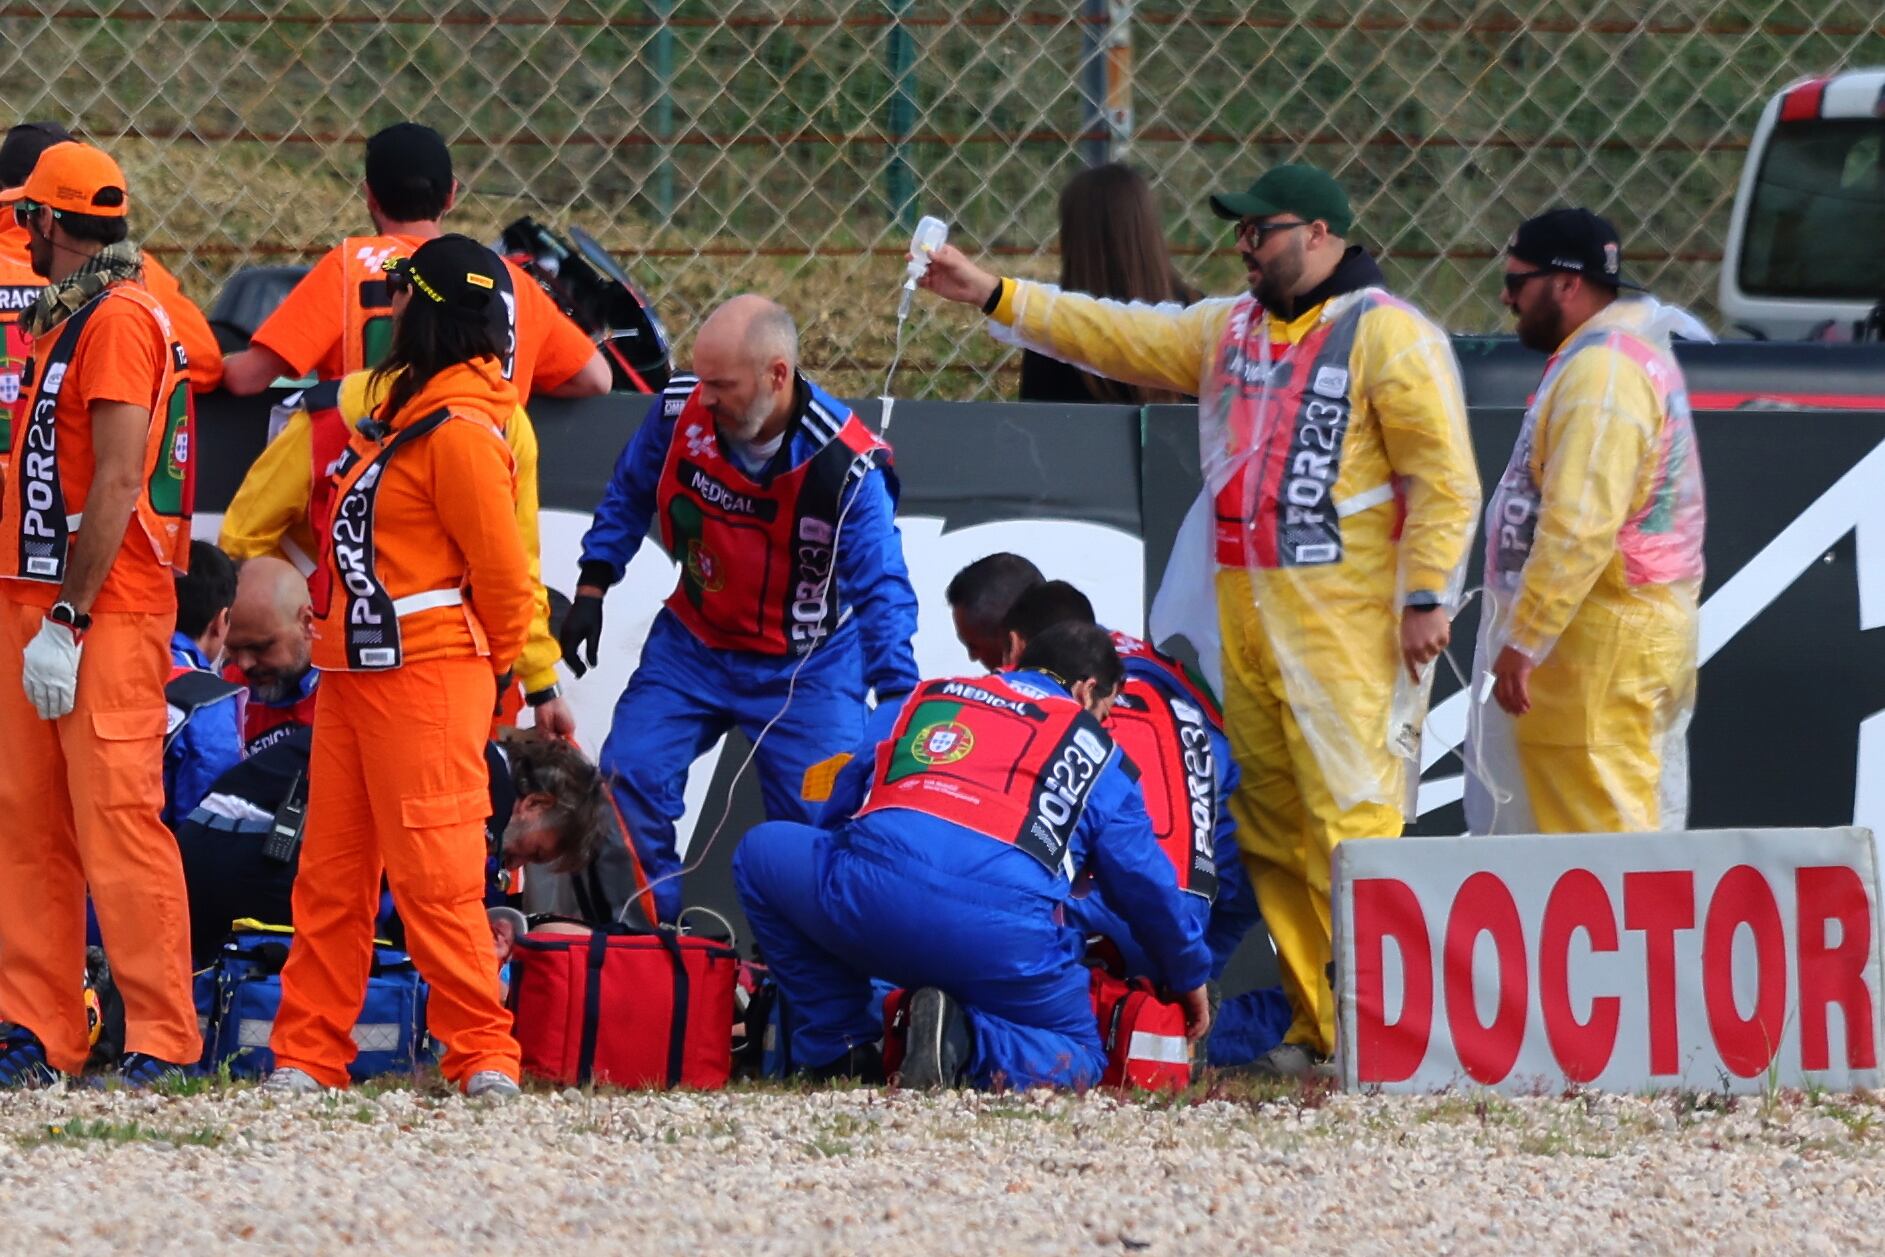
52	670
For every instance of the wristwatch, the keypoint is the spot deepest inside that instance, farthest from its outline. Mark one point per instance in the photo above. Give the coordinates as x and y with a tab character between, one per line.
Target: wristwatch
537	698
65	613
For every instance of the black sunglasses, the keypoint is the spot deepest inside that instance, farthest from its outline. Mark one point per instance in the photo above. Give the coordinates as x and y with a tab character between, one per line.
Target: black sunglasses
1515	280
1263	231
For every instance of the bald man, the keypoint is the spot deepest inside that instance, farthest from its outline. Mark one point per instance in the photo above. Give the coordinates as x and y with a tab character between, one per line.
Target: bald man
793	602
270	650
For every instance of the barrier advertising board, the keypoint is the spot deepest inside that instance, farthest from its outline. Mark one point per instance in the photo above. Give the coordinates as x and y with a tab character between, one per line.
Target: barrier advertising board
1706	960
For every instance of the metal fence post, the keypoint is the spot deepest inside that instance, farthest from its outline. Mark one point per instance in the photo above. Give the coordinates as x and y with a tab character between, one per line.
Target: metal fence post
899	187
661	54
1105	79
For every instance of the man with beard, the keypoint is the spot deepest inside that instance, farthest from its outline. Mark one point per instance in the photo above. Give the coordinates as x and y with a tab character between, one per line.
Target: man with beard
19	283
1593	555
1332	533
270	649
780	507
94	520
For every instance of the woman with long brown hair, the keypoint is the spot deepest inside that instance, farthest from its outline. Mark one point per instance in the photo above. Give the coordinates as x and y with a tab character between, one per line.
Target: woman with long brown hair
1111	245
422	600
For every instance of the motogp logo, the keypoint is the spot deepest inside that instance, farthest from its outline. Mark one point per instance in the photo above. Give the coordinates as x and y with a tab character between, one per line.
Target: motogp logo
943	743
699	441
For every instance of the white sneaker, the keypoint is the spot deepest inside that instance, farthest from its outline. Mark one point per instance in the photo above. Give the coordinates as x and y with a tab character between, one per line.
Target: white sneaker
491	1084
292	1082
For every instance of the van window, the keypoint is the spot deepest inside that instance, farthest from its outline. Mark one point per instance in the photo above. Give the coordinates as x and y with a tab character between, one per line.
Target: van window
1816	227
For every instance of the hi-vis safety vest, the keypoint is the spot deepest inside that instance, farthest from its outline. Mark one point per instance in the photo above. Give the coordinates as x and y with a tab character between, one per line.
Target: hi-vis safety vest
756	561
981	754
372	621
1168	741
1287	427
1134	650
39	496
367	304
1661	543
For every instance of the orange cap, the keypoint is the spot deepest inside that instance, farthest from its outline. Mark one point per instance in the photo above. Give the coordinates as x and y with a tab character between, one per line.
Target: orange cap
76	178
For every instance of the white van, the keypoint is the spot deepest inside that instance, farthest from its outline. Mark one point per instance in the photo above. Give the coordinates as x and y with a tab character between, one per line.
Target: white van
1805	256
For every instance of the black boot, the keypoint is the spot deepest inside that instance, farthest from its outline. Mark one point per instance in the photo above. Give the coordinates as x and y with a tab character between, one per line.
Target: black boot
938	1043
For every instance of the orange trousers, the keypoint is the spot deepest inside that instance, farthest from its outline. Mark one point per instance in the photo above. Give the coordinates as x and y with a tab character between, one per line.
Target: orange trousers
81	799
396	783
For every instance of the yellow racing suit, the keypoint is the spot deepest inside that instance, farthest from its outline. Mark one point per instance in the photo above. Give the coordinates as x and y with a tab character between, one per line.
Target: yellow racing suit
1593	571
1340	489
269	513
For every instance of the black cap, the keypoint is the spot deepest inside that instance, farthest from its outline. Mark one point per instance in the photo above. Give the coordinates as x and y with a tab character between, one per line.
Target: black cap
404	153
1575	241
452	271
20	151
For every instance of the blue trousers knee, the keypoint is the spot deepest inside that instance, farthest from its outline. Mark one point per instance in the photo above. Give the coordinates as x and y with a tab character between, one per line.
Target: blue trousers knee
830	911
684	697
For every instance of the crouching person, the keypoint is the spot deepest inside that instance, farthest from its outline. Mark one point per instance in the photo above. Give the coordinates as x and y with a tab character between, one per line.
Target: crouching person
969	822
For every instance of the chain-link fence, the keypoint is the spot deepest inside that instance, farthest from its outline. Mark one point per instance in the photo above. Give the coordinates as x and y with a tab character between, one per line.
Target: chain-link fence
788	146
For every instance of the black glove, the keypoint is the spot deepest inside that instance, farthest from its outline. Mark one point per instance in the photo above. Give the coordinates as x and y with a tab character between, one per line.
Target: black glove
504	680
582	626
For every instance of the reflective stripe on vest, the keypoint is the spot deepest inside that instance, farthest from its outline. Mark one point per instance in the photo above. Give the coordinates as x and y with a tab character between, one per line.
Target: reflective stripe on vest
1170	744
167	494
756	560
1289	419
372	620
1003	764
45	527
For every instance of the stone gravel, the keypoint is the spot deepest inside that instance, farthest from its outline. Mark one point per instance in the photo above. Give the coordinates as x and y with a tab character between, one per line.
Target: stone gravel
770	1170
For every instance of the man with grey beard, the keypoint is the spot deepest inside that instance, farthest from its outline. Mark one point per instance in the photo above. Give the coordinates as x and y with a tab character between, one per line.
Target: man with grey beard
793	601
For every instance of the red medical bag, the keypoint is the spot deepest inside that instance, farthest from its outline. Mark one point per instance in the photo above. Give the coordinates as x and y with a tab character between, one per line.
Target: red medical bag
626	1007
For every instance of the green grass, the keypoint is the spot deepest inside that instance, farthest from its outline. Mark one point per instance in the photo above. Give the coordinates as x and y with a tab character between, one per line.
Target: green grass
95	1130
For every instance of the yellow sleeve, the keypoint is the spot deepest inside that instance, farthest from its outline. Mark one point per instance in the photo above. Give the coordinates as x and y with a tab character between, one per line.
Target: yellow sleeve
1594	432
1413	388
536	667
1134	342
271	504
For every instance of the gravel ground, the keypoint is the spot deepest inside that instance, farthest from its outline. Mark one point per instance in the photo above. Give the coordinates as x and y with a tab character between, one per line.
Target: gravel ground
760	1171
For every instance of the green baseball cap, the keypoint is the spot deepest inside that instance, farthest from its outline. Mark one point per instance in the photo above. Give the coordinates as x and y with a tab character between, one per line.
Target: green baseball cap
1290	190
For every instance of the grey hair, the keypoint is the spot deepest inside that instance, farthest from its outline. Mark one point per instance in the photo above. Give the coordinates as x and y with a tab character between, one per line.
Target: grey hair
772	334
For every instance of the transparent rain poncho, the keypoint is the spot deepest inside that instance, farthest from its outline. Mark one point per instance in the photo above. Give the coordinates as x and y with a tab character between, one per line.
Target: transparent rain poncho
1335	496
1594	571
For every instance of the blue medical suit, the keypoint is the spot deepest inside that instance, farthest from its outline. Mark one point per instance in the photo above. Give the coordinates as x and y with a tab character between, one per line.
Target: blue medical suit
208	744
684	695
918	901
1247	1024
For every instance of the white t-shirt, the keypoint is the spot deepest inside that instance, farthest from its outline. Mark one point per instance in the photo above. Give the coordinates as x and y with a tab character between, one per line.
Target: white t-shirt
752	456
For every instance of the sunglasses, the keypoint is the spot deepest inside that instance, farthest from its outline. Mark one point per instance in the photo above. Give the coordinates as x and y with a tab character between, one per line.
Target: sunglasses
1515	281
1259	233
25	211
